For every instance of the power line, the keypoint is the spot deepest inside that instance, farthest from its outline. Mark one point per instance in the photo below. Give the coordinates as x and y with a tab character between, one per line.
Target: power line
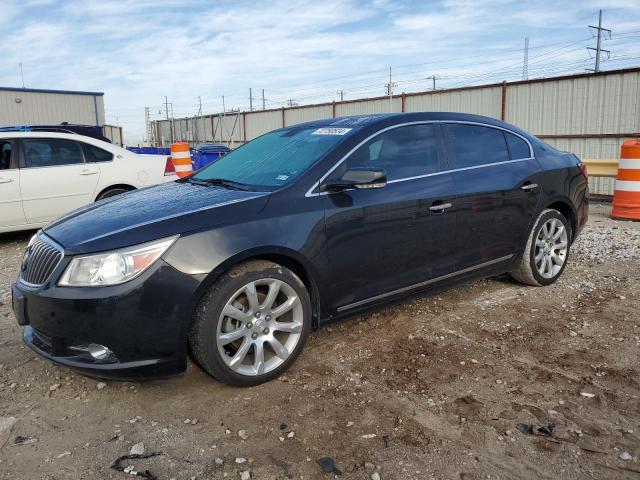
538	64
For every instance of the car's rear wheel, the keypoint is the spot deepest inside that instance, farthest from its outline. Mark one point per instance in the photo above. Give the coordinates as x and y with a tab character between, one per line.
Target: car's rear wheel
252	324
111	193
547	250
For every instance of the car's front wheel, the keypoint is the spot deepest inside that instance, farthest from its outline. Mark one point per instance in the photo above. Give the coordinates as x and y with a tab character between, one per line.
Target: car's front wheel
252	324
545	255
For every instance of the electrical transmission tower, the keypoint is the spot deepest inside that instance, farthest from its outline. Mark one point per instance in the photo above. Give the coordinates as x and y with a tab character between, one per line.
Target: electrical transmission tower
598	48
389	90
525	61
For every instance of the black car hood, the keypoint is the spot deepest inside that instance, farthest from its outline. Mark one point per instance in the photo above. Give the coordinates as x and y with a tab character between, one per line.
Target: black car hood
151	213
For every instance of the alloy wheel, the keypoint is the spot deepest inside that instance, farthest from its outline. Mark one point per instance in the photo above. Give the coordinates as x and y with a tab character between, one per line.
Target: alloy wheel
259	327
551	248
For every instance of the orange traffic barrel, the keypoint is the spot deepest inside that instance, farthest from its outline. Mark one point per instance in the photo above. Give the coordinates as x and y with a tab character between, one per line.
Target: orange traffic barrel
626	198
181	158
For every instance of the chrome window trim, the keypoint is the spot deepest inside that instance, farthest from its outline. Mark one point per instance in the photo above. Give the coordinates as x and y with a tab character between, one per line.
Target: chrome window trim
381	296
311	193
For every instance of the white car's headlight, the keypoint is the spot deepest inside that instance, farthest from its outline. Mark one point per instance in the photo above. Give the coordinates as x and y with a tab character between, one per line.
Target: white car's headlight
115	267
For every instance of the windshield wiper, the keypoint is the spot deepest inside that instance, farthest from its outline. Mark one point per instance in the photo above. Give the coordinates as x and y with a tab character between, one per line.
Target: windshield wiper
223	182
195	181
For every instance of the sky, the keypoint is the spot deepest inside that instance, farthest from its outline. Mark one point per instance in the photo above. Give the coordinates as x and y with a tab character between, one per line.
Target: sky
195	51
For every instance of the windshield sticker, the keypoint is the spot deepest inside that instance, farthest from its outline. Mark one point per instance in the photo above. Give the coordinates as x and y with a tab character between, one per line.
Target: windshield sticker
282	178
331	131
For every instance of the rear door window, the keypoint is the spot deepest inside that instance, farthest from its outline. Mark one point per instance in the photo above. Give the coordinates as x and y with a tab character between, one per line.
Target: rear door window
96	154
403	152
51	152
475	145
518	148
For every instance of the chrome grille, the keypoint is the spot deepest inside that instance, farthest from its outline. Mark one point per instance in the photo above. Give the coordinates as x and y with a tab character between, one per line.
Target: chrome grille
40	259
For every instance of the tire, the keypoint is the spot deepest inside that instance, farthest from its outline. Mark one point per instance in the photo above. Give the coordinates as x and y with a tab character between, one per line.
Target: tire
111	193
251	326
541	245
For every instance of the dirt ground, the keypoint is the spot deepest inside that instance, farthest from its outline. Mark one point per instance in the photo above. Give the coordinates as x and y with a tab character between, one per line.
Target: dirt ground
428	388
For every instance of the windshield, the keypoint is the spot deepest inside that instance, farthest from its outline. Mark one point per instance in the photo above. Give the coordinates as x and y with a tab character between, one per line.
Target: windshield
275	159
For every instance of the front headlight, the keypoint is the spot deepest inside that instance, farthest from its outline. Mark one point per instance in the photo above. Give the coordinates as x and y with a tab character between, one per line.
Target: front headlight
115	267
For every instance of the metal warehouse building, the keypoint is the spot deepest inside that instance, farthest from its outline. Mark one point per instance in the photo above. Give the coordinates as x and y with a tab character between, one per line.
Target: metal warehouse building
588	114
30	106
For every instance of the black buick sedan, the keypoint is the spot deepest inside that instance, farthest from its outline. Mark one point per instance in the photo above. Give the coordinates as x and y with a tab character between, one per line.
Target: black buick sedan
240	261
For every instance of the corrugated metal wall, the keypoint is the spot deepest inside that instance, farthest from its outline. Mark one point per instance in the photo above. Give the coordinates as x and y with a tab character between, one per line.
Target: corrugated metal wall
584	105
113	133
305	114
587	114
380	105
480	101
25	107
259	123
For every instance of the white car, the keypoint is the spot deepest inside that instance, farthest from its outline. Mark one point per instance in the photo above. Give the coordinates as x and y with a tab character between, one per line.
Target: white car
44	175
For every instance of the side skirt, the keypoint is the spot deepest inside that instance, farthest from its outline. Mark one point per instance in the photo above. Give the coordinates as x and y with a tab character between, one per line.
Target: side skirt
417	286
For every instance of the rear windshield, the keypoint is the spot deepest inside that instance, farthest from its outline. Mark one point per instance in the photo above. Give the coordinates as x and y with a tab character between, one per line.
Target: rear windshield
275	159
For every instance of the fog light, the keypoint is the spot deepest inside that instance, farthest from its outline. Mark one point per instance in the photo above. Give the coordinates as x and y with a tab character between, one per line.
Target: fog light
99	352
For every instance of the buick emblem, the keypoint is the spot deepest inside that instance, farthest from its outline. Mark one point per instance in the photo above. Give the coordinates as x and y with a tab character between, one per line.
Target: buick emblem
25	259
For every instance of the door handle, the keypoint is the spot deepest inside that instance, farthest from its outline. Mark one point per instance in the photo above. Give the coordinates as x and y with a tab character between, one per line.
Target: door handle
529	186
6	180
88	172
440	207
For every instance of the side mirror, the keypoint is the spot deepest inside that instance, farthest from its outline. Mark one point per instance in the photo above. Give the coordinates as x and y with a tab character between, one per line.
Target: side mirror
356	178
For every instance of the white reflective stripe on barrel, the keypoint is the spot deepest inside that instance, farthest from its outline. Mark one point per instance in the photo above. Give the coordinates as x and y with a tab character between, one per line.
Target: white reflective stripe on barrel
627	186
180	155
629	163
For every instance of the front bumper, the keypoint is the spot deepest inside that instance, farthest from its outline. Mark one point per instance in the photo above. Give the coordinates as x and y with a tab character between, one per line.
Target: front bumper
143	323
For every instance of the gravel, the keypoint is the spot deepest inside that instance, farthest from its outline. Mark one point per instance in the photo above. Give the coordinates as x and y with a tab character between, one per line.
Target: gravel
601	243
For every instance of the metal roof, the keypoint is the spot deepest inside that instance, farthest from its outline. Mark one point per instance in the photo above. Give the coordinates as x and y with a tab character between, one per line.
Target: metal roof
40	90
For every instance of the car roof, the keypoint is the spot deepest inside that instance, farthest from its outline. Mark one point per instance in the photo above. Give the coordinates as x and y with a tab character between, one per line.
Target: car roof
68	136
387	119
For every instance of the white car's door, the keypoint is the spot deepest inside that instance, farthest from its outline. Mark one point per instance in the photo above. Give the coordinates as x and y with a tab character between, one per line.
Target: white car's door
55	178
11	213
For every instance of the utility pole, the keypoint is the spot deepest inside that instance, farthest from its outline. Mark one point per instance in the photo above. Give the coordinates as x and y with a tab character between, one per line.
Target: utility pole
263	102
433	78
292	103
598	49
389	92
250	100
525	61
166	109
341	93
147	125
195	121
221	118
21	74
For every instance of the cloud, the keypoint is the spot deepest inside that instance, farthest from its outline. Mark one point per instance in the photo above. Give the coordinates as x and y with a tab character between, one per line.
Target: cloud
138	51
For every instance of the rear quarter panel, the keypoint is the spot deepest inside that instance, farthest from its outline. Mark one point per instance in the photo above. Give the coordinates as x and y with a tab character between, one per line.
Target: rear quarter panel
562	180
132	169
